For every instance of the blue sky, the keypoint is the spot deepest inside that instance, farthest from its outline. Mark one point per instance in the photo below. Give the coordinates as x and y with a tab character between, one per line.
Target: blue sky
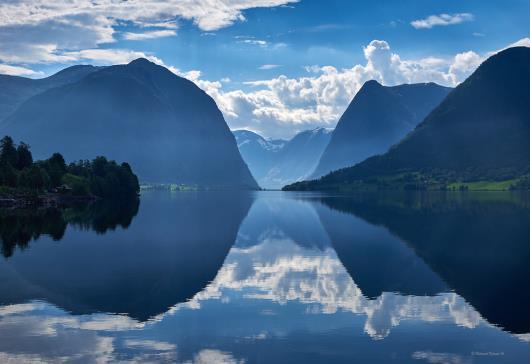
273	66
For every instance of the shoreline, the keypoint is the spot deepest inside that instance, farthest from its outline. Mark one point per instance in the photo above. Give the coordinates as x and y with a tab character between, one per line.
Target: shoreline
45	200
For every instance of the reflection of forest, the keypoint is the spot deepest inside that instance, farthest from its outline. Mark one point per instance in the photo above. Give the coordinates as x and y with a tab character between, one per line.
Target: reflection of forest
172	249
18	227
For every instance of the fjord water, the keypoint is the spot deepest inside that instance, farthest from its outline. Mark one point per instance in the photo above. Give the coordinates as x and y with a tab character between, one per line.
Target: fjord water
270	277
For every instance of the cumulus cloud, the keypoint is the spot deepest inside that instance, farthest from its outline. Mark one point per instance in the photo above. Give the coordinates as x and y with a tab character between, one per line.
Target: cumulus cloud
442	20
464	64
283	106
34	31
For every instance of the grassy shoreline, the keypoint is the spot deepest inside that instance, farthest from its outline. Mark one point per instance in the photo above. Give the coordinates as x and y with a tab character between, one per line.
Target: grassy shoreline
416	181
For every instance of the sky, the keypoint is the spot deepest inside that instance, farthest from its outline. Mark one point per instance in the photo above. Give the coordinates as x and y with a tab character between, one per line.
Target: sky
275	67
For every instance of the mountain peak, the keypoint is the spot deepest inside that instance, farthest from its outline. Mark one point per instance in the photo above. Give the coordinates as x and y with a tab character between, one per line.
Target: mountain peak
142	62
514	52
506	63
184	137
371	84
378	117
480	131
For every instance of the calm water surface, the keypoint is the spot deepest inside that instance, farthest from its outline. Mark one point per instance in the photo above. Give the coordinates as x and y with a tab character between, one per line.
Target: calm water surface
269	277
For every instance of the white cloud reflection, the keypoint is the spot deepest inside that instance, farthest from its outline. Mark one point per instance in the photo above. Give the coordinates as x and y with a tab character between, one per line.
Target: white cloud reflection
281	271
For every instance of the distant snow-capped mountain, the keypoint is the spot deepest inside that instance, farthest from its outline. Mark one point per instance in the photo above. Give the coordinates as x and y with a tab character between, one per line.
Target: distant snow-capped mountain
275	163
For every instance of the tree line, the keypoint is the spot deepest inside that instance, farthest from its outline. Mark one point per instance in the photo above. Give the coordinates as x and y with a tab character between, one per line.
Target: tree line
19	173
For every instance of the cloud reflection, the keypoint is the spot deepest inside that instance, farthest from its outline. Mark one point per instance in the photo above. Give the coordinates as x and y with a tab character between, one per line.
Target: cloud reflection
281	271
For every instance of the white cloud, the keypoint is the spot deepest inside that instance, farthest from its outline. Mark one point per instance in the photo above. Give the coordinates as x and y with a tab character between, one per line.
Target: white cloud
261	43
39	31
282	106
109	56
18	71
442	20
269	66
206	14
524	42
463	65
150	34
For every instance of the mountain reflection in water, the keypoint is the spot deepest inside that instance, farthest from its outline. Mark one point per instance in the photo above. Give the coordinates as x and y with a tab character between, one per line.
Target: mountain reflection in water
478	243
274	277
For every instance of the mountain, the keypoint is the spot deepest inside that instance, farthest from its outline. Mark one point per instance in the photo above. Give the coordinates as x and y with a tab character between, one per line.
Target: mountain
14	90
275	163
377	118
259	153
167	128
299	157
481	131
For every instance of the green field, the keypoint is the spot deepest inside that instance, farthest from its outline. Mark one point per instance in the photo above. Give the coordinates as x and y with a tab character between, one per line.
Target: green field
483	185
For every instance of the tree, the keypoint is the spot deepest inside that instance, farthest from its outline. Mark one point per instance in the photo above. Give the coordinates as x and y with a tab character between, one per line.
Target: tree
24	157
35	178
128	180
56	168
99	177
57	160
8	152
99	166
8	175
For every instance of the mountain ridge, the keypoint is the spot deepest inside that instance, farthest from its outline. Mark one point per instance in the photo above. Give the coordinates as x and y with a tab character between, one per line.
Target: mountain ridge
480	131
169	129
15	90
377	117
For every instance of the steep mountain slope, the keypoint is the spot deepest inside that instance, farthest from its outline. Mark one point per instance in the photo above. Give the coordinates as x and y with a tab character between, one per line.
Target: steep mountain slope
480	131
377	118
15	90
259	153
167	128
275	163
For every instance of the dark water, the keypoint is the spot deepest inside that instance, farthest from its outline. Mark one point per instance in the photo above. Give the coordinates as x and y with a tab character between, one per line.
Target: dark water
269	278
